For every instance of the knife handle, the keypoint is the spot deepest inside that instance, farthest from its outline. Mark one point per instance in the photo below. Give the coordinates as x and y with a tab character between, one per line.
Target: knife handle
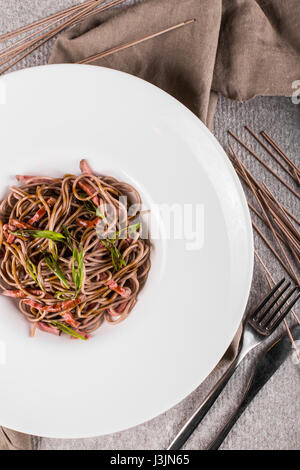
228	426
260	370
266	365
201	411
247	343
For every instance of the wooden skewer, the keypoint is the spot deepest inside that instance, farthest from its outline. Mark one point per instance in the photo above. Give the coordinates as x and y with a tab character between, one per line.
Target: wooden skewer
294	238
288	234
285	233
281	214
30	46
283	237
271	283
281	152
280	210
292	175
88	7
56	30
261	217
291	269
113	50
16	48
272	249
281	206
87	15
24	43
35	24
264	164
285	213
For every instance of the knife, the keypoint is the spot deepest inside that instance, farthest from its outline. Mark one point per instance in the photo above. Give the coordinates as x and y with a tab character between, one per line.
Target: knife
267	364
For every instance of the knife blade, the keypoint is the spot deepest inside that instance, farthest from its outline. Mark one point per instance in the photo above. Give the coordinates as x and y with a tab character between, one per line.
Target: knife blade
268	363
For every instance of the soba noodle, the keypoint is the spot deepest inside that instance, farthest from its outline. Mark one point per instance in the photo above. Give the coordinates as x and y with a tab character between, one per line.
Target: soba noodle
72	251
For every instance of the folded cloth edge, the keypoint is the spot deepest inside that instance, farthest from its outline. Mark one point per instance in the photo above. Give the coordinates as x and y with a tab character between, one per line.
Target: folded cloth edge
14	440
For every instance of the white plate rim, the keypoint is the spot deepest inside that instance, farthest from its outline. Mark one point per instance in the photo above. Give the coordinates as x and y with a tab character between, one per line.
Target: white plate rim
242	200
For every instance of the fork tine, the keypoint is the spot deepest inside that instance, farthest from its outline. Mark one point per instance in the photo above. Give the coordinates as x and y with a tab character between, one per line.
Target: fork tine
266	322
260	317
267	298
284	314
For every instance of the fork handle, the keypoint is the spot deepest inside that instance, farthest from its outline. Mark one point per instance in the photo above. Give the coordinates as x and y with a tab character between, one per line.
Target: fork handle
247	343
201	411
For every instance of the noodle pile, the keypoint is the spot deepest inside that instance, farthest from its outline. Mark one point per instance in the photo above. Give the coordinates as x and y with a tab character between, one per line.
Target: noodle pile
72	251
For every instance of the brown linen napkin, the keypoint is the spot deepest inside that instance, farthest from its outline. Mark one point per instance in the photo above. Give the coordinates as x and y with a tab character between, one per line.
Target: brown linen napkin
13	440
240	48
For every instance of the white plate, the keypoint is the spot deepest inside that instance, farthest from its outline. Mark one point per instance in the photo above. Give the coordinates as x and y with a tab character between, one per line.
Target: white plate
189	311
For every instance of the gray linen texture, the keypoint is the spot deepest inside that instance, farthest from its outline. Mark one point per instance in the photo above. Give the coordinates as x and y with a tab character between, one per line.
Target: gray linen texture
272	419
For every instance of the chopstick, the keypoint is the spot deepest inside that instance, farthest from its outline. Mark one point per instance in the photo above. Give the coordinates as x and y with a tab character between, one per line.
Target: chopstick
113	50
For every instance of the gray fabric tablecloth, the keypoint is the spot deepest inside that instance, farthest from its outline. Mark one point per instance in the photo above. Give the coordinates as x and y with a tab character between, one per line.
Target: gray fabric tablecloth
272	420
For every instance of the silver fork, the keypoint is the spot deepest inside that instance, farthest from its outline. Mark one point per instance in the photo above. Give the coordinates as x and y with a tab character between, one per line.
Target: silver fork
259	325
